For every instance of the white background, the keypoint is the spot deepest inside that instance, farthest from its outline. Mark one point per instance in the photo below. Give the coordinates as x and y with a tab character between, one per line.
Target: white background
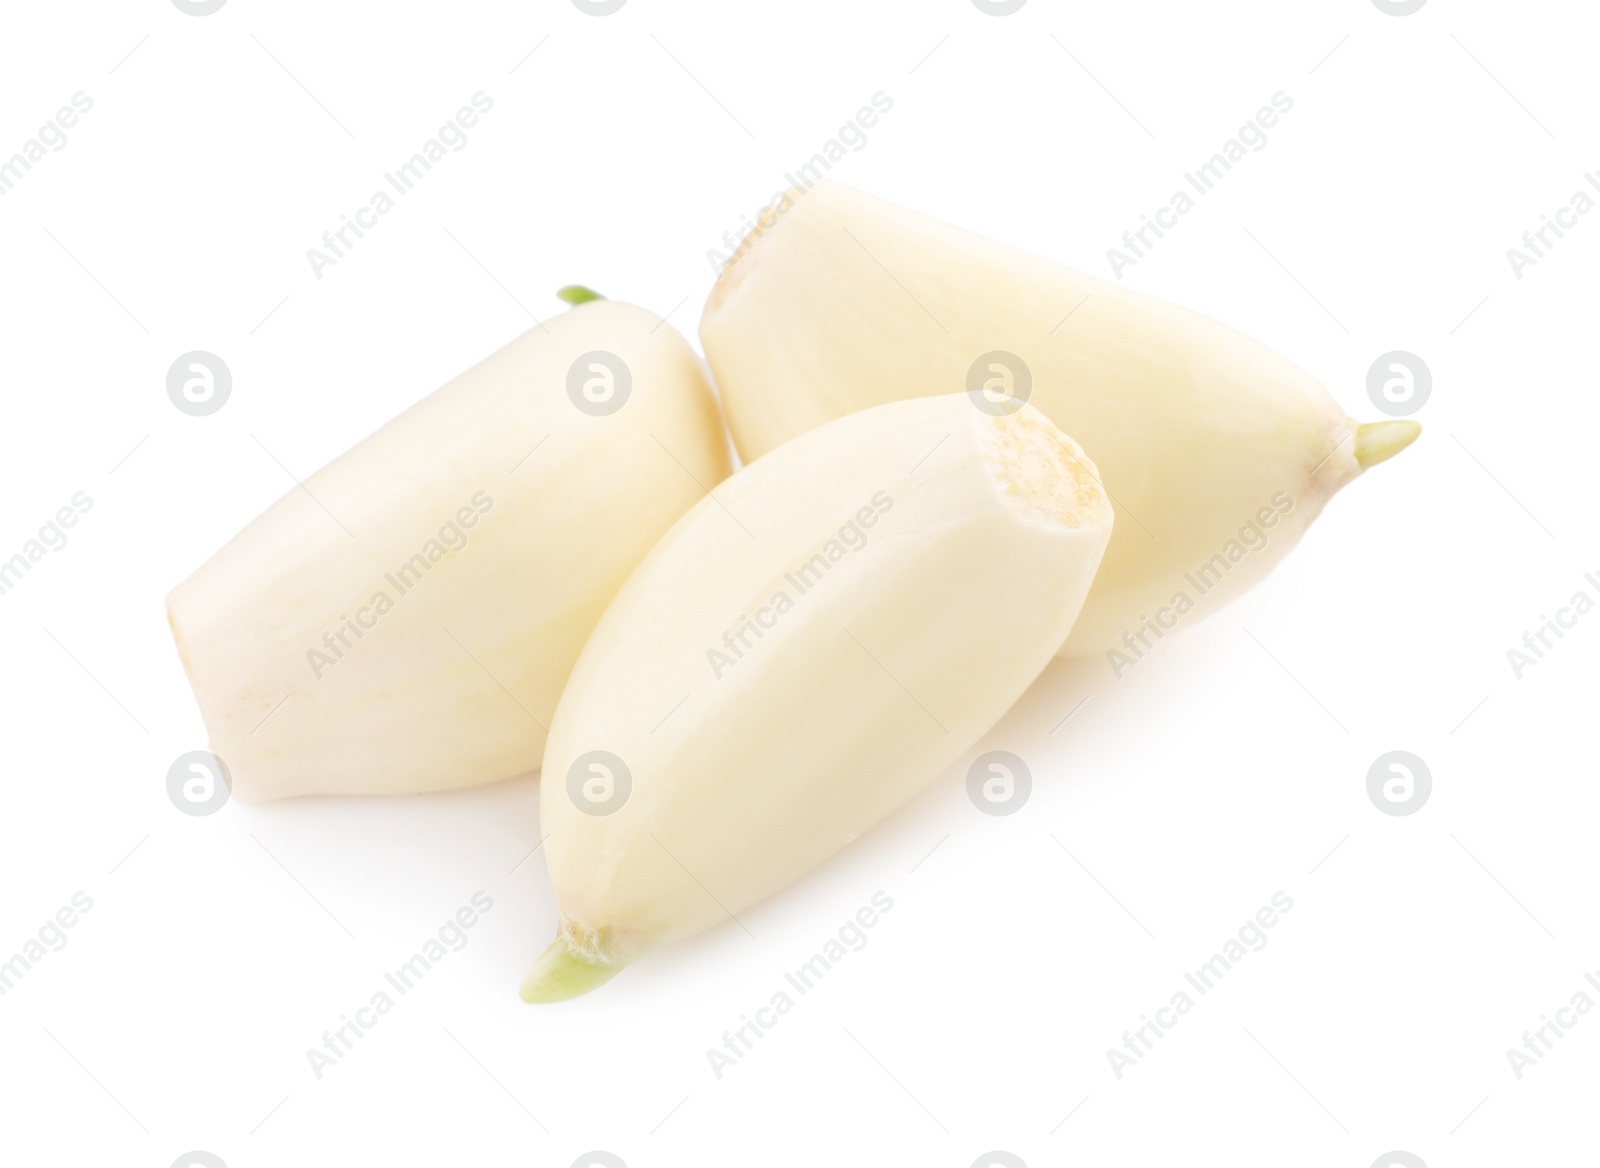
1227	766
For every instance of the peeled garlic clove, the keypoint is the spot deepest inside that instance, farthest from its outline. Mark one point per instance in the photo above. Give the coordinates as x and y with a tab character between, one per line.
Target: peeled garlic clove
405	620
1207	441
804	651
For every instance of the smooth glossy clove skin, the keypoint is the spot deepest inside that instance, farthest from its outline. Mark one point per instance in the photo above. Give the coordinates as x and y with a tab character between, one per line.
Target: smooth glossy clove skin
1216	451
804	651
405	620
